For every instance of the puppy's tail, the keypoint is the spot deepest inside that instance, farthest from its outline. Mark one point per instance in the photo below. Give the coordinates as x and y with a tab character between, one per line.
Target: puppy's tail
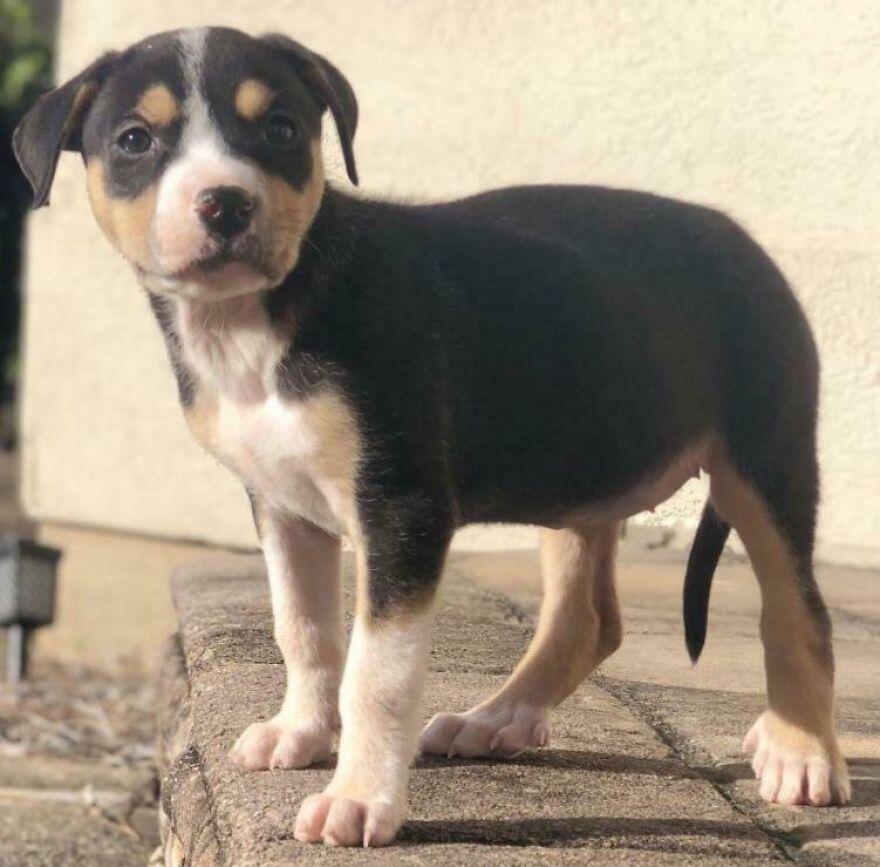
708	544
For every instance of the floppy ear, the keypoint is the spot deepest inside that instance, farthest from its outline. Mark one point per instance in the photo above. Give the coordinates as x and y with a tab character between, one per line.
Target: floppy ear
55	124
329	87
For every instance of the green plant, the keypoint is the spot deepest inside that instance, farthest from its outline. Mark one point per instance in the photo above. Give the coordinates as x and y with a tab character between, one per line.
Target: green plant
24	54
25	61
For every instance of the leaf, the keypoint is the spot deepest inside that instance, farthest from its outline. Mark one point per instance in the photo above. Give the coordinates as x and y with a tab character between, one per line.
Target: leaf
19	75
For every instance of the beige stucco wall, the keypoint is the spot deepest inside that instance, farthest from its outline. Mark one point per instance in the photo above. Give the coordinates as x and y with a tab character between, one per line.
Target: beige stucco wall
770	110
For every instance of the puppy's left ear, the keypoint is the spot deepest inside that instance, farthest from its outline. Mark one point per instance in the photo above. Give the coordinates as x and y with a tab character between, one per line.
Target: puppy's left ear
329	87
55	124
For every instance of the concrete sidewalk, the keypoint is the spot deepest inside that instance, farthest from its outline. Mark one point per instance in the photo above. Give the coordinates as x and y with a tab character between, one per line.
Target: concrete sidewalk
644	764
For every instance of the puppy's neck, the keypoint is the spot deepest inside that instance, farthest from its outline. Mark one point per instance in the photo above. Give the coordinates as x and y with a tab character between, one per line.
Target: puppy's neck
231	345
234	346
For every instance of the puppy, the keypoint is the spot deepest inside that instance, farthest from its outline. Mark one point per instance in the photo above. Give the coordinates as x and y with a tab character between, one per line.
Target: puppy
559	356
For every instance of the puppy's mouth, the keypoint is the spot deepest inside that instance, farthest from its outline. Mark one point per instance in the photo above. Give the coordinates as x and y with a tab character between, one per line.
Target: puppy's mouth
221	269
244	253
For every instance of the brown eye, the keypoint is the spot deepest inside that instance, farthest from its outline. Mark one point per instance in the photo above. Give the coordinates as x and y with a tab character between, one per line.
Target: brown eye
281	131
135	140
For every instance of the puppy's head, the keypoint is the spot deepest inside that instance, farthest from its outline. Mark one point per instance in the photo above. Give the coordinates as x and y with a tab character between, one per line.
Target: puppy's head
202	150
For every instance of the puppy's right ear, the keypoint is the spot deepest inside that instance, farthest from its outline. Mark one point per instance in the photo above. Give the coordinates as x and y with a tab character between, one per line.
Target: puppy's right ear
329	87
55	124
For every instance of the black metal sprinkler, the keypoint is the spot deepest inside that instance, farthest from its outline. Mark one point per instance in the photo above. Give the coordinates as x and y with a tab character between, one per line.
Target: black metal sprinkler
27	597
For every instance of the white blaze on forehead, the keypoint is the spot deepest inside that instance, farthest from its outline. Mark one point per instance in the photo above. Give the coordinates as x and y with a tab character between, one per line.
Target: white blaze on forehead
204	160
198	116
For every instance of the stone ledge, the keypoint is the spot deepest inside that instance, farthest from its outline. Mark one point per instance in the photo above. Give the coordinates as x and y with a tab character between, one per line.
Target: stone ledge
608	786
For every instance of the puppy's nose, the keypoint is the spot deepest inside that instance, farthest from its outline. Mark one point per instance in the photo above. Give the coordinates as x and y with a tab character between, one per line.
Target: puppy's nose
225	211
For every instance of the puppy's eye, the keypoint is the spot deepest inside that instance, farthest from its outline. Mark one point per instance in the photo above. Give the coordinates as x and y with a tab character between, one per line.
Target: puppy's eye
281	131
135	140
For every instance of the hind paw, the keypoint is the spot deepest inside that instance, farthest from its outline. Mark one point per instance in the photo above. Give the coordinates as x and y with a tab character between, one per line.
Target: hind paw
795	767
501	732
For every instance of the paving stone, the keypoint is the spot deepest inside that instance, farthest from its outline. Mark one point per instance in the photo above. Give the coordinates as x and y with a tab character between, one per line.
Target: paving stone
608	790
54	833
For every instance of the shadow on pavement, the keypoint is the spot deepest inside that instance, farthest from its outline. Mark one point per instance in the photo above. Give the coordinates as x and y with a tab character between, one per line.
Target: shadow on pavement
639	833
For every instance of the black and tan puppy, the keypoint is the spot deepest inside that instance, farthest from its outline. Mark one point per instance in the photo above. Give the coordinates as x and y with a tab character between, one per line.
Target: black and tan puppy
561	356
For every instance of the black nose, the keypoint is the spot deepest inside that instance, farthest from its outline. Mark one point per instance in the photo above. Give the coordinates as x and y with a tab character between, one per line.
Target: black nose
225	211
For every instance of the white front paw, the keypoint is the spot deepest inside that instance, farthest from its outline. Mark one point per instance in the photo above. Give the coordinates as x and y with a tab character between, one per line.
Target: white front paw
282	743
336	818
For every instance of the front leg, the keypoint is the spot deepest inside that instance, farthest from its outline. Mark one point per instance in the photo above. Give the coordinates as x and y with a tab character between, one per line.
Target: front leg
303	563
400	558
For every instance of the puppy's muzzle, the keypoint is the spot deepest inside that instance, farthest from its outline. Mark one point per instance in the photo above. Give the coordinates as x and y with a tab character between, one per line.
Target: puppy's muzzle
226	212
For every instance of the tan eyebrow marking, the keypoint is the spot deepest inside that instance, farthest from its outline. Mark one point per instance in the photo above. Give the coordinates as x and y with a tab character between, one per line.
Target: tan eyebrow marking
252	98
158	105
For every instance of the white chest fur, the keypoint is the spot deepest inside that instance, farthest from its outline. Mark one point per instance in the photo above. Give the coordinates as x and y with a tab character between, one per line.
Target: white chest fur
231	346
299	455
276	451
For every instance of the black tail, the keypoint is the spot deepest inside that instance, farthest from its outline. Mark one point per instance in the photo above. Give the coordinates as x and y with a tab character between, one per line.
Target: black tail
708	544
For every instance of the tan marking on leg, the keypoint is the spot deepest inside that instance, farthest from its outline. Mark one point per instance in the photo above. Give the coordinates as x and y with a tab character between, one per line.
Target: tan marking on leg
796	752
290	213
605	592
334	423
201	416
579	623
158	105
578	627
252	98
799	678
332	420
126	222
336	466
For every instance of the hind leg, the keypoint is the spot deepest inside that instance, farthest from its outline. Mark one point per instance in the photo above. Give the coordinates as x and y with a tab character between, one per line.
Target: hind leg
795	752
578	627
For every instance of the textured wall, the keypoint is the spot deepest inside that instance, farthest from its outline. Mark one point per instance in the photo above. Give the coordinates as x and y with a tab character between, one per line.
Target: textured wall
768	110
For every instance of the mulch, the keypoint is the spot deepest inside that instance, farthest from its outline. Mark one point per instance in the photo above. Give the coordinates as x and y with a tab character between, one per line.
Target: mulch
74	712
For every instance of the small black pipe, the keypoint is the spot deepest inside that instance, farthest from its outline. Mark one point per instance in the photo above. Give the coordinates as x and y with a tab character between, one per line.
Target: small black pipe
16	653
